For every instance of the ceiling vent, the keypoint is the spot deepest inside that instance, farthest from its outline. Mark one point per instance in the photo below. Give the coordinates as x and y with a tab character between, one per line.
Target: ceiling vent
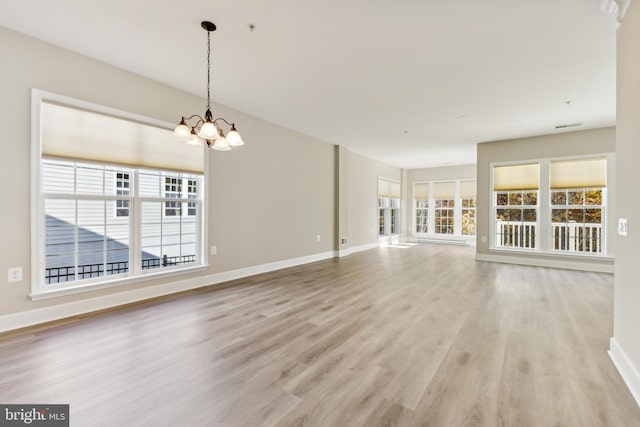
570	125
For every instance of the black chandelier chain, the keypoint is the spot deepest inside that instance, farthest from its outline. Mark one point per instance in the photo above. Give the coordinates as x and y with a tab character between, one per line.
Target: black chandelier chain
208	70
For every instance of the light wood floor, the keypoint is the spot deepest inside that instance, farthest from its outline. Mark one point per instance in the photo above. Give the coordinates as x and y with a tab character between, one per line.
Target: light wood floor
423	336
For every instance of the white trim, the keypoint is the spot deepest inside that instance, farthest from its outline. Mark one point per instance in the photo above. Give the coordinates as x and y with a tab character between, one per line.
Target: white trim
553	263
38	228
66	289
37	255
36	316
364	247
626	368
265	268
391	239
450	241
343	252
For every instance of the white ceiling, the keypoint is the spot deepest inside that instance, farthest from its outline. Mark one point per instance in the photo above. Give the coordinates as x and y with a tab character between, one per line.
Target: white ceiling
414	83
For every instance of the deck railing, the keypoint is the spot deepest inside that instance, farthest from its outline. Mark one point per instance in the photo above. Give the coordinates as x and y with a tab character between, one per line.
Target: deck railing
86	271
516	234
565	237
577	237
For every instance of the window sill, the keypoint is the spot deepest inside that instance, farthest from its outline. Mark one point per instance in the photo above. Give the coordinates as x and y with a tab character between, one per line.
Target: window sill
563	255
92	286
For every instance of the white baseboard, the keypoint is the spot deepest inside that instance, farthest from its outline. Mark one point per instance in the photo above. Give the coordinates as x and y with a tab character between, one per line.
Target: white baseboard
343	252
459	242
554	263
9	322
364	247
226	276
627	369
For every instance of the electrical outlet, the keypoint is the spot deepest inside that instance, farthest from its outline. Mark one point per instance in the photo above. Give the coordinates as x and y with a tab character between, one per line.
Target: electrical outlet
317	238
15	274
213	250
483	239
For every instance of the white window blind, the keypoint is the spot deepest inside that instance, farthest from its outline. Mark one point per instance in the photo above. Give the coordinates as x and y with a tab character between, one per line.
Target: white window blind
394	190
444	190
421	191
588	173
383	187
71	133
516	177
467	189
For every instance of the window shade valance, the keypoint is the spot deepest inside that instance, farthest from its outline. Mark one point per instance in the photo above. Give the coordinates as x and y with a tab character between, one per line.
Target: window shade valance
421	191
579	173
383	188
467	189
72	133
394	190
444	190
516	177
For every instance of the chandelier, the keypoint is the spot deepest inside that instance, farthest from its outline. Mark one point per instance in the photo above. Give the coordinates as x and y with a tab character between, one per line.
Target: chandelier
208	128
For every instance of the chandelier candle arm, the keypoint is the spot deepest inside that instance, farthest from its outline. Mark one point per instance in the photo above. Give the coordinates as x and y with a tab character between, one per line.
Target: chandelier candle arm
207	128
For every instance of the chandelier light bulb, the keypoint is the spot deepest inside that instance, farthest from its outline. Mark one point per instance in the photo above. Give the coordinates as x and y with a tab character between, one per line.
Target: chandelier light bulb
208	131
233	137
221	144
193	139
182	130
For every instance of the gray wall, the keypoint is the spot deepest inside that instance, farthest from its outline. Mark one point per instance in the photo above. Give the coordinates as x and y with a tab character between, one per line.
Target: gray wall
596	141
627	274
363	197
268	200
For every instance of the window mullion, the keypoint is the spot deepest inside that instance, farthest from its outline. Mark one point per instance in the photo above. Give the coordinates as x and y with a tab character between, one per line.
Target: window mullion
544	209
135	226
457	211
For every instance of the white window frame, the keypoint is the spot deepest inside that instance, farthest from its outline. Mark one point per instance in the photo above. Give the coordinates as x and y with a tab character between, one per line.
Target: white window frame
41	291
451	214
521	207
425	211
172	194
122	189
470	209
386	206
544	245
431	210
603	218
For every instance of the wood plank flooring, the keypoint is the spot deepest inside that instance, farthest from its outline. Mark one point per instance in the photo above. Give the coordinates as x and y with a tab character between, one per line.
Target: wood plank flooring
419	336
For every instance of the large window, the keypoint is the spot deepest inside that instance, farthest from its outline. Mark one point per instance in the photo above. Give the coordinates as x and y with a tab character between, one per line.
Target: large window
578	190
444	202
421	205
573	201
445	209
468	197
515	200
388	207
111	204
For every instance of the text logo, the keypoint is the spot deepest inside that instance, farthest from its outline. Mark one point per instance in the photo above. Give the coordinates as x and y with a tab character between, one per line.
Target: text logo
34	415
